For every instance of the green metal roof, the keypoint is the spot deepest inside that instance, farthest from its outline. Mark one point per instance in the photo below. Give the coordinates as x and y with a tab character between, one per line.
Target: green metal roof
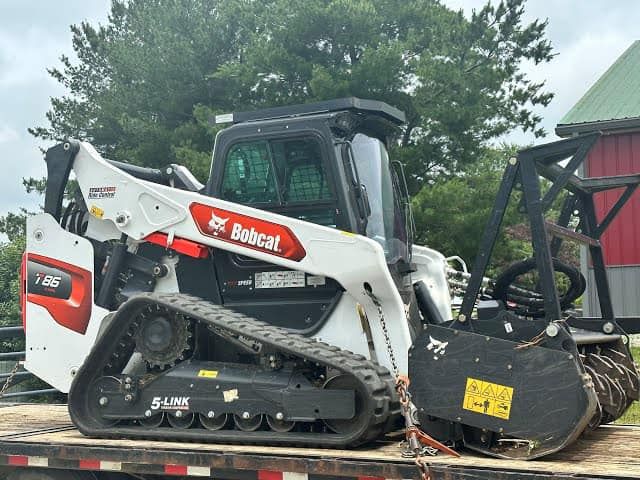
614	97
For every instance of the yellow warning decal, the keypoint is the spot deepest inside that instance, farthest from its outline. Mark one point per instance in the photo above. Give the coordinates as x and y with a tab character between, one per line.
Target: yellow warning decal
96	211
208	373
488	398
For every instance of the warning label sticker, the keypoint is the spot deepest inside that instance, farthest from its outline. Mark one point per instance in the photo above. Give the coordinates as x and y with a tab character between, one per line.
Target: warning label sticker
280	279
488	398
96	211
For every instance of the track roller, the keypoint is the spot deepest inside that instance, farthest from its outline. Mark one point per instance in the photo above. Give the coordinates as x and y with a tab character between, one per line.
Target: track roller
247	423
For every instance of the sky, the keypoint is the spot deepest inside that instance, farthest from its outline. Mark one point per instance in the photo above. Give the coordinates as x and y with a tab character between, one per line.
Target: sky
587	35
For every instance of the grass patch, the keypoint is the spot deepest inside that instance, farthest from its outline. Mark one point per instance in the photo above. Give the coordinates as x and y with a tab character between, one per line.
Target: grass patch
632	415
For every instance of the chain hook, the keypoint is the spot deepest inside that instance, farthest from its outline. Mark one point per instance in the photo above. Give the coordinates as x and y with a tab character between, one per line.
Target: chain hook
7	382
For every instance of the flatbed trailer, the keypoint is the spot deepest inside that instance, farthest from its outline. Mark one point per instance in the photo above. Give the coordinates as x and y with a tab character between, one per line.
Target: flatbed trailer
39	436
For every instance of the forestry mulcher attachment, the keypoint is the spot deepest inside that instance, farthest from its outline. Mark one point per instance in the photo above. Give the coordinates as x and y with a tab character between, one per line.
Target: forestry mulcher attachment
284	301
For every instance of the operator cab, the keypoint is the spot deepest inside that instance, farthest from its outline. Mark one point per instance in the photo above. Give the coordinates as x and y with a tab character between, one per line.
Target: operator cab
326	163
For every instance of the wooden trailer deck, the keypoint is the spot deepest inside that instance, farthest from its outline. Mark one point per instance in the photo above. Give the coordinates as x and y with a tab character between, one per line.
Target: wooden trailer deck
42	435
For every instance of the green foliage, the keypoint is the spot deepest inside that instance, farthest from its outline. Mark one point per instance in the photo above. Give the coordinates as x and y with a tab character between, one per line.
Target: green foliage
632	415
451	213
10	258
147	82
12	225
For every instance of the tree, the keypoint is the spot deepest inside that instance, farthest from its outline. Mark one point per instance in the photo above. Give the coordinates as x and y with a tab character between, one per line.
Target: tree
146	83
451	213
13	226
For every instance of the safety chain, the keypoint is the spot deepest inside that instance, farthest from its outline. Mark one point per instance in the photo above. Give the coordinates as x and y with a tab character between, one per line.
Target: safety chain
419	444
385	332
7	382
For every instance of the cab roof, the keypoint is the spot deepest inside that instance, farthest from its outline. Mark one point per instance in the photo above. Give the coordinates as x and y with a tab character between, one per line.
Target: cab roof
350	104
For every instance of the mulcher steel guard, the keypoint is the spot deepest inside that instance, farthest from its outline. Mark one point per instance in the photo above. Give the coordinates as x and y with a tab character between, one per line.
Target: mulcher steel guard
557	374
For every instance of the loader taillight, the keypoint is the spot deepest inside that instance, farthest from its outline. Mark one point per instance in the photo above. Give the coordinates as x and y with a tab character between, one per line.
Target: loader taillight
65	290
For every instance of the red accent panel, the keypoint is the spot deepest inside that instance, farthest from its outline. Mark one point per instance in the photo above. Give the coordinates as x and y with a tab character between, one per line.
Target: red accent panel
18	460
89	464
73	313
618	155
250	232
180	245
175	469
269	475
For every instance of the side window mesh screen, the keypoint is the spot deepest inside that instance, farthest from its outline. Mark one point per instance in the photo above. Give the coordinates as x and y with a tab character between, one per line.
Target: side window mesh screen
307	182
304	175
248	176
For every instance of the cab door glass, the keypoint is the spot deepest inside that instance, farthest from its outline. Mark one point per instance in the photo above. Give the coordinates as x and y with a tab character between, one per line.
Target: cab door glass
302	173
387	224
248	174
288	174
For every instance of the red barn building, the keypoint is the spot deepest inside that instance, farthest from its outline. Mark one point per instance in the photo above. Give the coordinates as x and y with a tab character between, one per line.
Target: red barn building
612	106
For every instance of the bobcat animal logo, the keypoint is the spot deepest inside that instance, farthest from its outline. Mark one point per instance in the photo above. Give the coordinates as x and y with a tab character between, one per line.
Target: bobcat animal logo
437	346
216	224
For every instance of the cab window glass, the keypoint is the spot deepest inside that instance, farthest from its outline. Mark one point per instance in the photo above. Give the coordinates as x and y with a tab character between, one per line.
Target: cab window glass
248	174
386	224
256	171
301	170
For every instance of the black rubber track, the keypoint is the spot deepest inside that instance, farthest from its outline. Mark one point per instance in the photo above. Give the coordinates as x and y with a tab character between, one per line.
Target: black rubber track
381	404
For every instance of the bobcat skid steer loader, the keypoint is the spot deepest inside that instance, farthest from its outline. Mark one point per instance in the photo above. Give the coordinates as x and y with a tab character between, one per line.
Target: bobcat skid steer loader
284	301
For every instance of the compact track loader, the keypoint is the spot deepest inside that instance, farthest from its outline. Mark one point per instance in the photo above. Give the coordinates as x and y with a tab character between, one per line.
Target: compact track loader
284	302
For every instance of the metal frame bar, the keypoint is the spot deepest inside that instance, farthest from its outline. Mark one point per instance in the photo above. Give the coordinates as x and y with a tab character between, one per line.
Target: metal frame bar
539	238
590	224
488	241
566	174
615	209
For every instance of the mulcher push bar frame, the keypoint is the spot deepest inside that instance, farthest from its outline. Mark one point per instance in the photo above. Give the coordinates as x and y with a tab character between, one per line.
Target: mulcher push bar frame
524	173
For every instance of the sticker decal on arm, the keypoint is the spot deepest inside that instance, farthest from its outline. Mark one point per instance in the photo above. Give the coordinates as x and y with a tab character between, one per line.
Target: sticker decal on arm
250	232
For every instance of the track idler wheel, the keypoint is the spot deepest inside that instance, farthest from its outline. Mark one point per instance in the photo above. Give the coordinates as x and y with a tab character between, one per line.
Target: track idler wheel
102	392
345	382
